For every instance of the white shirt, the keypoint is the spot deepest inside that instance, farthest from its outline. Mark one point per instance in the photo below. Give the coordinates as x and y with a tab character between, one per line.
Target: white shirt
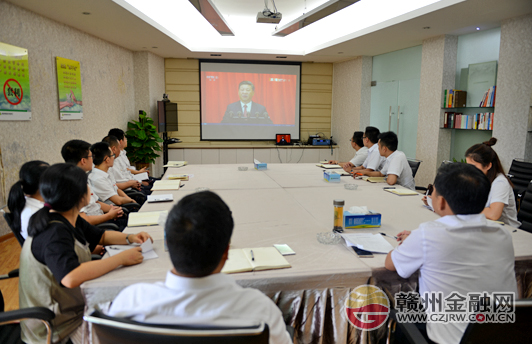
374	160
247	106
31	207
360	156
124	159
212	300
458	253
93	208
103	185
397	164
120	168
501	191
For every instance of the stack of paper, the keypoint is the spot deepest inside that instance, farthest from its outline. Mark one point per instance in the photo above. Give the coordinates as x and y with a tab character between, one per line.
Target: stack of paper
175	164
262	258
166	185
146	218
370	242
147	249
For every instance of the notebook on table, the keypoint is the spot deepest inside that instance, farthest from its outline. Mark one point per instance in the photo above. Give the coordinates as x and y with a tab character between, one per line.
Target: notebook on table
265	258
166	185
402	192
146	218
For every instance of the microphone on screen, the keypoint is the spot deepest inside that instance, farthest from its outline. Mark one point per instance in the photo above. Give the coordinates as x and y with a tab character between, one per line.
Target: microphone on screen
231	114
239	114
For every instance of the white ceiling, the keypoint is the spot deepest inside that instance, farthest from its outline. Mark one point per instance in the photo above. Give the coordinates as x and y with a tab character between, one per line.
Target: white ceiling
113	23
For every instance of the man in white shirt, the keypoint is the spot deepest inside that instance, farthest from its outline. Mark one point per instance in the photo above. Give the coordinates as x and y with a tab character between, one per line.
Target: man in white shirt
373	160
361	154
198	231
78	152
460	252
101	182
396	167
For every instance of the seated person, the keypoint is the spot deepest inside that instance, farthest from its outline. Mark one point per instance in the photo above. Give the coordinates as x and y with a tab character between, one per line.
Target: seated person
56	258
501	201
102	183
195	290
24	197
244	110
461	251
77	152
396	167
122	159
373	161
124	179
360	156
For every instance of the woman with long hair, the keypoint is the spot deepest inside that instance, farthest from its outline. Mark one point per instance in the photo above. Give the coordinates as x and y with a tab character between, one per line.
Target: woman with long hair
24	197
501	200
56	257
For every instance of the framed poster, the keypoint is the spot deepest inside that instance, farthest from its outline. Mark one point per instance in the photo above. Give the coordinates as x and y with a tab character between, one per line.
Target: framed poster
69	89
15	104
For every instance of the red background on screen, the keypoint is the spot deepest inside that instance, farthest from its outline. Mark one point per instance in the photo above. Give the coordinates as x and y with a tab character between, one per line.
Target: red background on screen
279	97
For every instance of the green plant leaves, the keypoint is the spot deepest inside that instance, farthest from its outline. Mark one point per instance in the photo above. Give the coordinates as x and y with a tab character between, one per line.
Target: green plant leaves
143	140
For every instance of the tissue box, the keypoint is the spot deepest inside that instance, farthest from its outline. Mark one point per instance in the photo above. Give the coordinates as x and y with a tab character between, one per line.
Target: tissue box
361	220
331	177
259	166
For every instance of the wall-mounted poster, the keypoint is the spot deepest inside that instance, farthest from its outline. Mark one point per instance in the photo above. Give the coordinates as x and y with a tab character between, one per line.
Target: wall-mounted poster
15	104
69	88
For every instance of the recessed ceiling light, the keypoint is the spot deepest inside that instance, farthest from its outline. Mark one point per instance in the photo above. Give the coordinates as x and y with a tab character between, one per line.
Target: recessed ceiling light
340	52
154	47
478	28
86	13
216	54
426	27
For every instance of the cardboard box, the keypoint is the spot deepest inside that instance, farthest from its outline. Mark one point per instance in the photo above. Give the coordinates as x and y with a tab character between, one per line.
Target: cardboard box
361	220
331	176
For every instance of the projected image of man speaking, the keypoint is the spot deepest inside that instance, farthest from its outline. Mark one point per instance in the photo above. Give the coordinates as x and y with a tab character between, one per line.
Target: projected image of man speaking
245	110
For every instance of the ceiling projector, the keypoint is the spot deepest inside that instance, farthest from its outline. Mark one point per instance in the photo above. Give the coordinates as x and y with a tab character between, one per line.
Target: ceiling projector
269	17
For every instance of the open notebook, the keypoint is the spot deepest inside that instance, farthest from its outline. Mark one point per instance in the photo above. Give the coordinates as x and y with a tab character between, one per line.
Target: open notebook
166	185
266	258
178	177
146	218
328	166
374	179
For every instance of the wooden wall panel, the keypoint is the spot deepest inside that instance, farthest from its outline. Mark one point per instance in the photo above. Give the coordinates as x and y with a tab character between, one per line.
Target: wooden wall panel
182	87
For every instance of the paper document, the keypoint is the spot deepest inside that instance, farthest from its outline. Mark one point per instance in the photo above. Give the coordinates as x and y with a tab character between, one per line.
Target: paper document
329	166
254	259
374	179
175	164
146	218
370	242
141	176
166	185
402	192
284	249
147	249
160	198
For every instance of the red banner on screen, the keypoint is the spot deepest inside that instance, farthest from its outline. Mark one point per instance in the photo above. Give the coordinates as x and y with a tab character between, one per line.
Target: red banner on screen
277	92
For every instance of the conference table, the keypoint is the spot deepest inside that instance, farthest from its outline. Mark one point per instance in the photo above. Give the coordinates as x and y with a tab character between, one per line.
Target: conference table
291	204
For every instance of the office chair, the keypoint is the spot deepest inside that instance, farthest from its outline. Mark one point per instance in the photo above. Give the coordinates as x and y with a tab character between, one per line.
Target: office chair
508	333
10	321
111	330
414	165
525	210
520	174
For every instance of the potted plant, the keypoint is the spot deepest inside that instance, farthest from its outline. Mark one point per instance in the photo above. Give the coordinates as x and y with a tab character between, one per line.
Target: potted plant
142	141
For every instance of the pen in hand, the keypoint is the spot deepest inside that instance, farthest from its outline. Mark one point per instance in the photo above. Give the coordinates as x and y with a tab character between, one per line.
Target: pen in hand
389	236
252	256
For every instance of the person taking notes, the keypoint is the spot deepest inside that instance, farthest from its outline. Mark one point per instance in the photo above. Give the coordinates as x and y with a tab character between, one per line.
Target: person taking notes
357	142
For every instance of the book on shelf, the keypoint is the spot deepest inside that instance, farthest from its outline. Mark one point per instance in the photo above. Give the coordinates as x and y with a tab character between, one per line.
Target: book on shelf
478	121
488	100
454	98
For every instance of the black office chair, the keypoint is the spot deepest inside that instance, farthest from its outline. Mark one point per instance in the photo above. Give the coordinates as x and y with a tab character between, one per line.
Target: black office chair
525	210
414	165
508	333
520	174
10	321
111	330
